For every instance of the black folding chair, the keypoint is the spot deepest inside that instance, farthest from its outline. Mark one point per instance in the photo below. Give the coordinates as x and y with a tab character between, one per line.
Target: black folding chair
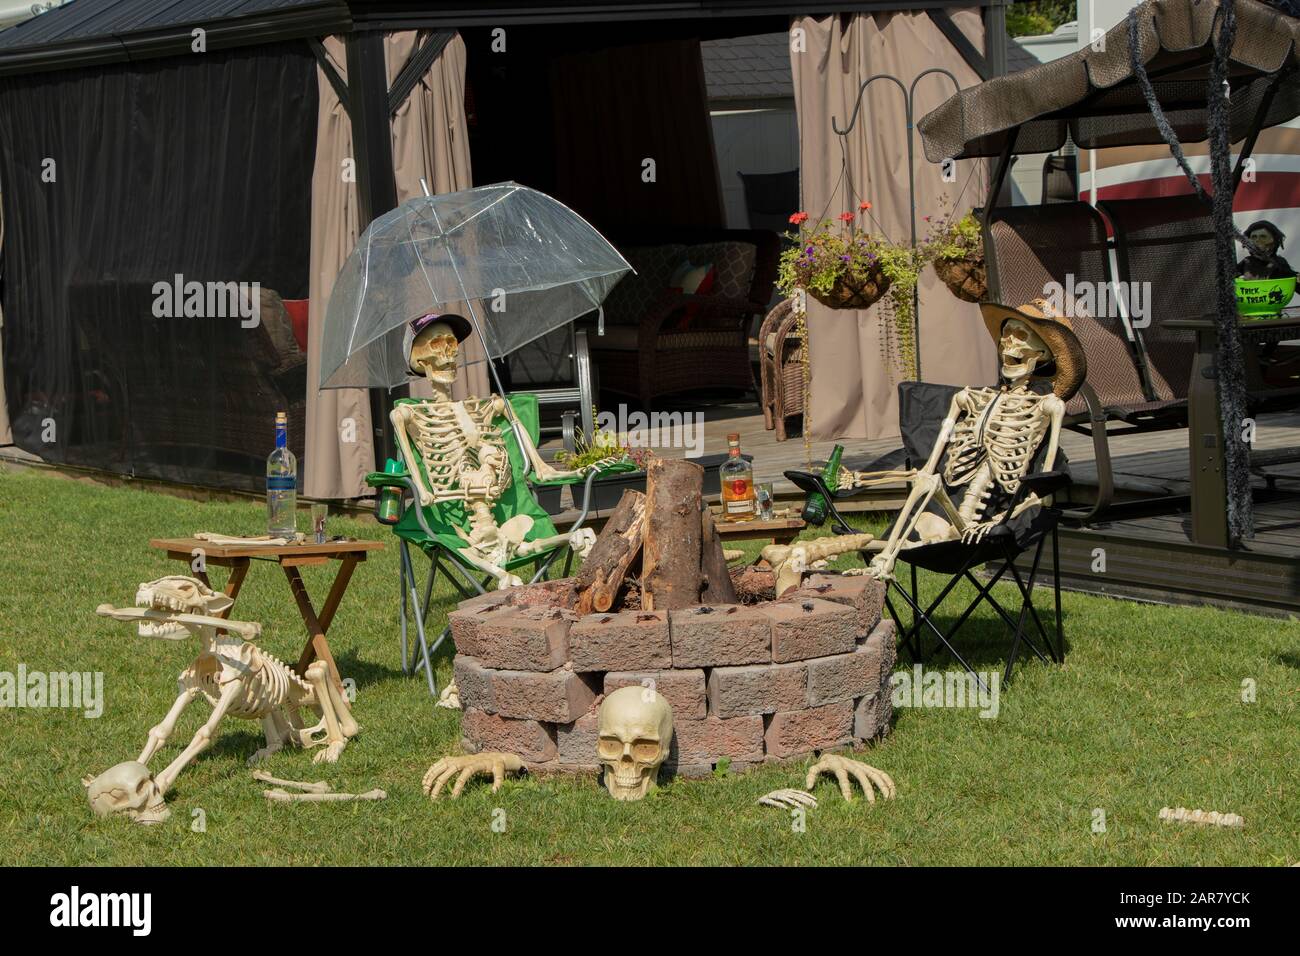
922	407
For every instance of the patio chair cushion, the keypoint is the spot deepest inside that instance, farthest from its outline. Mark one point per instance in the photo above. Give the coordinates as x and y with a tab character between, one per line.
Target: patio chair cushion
733	266
637	292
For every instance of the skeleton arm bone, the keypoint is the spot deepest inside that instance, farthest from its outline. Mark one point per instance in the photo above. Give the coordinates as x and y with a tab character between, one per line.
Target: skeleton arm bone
399	417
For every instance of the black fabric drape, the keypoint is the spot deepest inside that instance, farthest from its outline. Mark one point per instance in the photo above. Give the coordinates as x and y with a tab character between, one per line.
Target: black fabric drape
120	178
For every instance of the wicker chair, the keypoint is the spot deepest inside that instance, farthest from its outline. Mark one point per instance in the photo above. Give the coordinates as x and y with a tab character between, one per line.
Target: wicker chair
648	352
781	367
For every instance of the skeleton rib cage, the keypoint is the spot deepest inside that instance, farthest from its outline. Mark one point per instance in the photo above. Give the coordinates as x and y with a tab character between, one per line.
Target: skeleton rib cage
998	434
459	447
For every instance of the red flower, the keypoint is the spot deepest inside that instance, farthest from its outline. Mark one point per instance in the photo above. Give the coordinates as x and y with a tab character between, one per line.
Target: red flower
799	218
864	205
846	217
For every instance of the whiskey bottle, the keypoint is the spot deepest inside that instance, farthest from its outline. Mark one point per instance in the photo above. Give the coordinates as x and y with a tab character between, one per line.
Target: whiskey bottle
737	478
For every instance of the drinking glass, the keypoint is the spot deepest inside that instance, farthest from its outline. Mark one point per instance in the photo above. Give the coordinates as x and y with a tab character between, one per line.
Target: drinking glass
319	512
764	494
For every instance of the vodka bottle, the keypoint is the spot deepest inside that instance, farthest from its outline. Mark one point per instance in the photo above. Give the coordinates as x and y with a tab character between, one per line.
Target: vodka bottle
738	500
281	484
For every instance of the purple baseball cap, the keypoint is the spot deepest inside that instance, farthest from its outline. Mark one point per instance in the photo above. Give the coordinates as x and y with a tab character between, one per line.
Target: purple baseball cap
460	325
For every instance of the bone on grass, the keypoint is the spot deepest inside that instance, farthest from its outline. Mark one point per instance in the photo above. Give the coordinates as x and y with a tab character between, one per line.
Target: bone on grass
1208	818
320	786
282	796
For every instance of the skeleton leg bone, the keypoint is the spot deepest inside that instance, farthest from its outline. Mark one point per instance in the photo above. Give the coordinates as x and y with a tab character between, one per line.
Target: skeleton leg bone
333	739
159	735
320	786
202	739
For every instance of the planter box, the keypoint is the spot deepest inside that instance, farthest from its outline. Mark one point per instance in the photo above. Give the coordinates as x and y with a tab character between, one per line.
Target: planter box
605	494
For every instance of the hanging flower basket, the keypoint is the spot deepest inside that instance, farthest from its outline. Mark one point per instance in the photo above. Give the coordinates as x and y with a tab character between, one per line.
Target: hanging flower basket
965	278
854	293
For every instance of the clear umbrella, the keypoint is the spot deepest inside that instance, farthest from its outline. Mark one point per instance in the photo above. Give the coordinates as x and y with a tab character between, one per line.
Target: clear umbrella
522	263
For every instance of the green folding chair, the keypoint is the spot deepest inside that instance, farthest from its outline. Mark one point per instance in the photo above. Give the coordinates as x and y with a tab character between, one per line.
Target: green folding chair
433	529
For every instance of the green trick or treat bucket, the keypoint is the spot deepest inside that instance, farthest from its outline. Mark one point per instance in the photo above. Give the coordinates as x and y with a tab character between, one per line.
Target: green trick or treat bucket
1259	298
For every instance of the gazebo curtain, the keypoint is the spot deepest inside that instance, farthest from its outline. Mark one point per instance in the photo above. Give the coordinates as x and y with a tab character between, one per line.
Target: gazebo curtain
6	433
429	142
853	392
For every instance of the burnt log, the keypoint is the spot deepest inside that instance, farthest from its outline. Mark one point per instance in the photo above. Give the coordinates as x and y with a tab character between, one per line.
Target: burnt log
716	586
670	562
618	545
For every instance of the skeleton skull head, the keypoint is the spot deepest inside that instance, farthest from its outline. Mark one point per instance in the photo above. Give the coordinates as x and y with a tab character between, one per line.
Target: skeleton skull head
179	594
434	352
1022	351
635	730
128	789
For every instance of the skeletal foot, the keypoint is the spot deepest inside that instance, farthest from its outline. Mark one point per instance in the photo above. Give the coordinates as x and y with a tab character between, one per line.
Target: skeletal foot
330	754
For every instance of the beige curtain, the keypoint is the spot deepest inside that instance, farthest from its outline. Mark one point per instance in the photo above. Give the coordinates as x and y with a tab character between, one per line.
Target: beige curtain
853	393
429	142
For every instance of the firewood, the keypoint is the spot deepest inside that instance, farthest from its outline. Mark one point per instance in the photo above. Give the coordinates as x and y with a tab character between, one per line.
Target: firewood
754	583
670	576
713	563
602	572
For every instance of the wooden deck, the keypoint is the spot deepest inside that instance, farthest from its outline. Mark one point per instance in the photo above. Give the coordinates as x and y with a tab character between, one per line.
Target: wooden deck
1154	463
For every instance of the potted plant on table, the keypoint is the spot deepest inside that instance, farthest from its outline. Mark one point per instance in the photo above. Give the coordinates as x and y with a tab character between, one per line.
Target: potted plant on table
956	248
845	266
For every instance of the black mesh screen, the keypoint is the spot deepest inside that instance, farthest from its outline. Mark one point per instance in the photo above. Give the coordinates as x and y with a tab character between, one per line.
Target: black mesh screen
118	180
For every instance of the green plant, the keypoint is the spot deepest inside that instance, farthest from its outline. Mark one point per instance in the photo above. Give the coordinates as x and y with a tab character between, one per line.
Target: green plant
952	239
827	254
600	446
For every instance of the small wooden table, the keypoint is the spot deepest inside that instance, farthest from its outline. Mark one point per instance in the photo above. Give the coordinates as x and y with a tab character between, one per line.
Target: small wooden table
238	558
775	531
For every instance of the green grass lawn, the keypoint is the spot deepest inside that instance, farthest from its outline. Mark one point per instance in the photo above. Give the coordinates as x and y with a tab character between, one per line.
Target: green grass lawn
1146	712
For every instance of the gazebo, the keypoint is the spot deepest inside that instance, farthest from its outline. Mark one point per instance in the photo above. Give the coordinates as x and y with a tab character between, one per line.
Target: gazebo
1176	71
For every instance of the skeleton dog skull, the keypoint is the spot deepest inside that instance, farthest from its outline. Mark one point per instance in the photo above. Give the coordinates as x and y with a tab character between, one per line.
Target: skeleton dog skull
634	733
128	789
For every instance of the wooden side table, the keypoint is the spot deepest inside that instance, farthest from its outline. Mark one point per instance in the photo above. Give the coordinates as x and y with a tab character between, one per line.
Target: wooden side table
239	558
775	531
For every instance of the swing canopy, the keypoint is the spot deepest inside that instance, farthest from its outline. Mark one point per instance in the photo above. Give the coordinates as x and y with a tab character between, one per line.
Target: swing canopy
1093	95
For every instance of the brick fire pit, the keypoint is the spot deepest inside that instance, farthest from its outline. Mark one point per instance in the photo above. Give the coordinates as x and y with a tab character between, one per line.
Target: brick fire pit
748	683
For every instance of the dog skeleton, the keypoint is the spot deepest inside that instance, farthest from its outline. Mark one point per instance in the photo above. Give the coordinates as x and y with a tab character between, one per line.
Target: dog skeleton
237	678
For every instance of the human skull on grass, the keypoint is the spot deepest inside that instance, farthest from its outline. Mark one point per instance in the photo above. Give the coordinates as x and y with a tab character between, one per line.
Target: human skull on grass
634	733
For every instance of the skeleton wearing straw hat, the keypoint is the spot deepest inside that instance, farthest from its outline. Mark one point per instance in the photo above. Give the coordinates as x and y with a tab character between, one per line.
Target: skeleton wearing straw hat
990	436
464	454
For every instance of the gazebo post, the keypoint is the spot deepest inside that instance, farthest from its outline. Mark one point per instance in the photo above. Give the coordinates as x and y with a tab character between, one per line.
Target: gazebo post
372	141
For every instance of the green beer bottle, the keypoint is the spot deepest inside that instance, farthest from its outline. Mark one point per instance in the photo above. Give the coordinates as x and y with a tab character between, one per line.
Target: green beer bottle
815	508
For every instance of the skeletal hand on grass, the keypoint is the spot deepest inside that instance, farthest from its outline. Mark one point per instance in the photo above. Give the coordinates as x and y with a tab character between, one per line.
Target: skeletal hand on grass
497	764
843	767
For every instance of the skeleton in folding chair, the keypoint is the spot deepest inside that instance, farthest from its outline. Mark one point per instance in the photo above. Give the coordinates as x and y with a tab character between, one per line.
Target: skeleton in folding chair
989	444
455	453
988	441
465	457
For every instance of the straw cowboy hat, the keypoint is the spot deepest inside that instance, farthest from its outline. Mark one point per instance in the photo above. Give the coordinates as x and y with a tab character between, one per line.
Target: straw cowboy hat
1057	334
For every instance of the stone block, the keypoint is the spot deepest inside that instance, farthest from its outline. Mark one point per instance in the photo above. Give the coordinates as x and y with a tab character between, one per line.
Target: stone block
808	628
625	641
683	689
757	689
720	635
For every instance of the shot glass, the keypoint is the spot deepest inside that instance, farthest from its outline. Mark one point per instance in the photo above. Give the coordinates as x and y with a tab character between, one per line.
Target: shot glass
319	512
764	494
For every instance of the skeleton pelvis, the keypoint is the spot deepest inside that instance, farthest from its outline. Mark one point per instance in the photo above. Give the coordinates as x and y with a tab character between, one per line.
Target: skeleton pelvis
931	527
